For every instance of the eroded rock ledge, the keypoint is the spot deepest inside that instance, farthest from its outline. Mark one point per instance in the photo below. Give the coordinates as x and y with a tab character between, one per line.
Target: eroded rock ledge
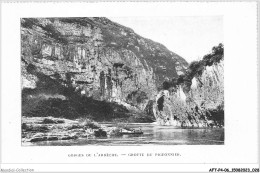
36	129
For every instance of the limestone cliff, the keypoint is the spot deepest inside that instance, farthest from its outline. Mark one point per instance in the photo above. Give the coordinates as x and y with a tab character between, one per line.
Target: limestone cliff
96	58
208	89
197	99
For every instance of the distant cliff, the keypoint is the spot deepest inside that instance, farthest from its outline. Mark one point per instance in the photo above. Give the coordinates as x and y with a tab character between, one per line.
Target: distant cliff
95	58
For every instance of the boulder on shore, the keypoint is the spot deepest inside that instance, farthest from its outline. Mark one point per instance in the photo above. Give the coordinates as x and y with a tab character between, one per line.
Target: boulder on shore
39	129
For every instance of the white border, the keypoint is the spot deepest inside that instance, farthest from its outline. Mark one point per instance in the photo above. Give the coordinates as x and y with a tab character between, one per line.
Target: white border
240	33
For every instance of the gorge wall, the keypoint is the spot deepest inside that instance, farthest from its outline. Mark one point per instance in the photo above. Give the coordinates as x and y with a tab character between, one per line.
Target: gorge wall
208	89
196	98
95	58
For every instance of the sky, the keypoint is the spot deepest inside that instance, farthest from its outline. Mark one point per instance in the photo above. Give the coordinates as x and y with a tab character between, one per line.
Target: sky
191	37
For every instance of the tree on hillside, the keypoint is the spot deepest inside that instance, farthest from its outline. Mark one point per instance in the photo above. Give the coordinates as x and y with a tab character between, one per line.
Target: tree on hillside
215	56
196	68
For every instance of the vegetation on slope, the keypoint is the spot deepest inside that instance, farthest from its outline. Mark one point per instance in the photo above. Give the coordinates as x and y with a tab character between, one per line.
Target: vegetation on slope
196	68
201	105
56	97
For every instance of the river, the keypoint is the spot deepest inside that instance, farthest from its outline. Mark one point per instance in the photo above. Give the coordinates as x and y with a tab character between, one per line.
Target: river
153	135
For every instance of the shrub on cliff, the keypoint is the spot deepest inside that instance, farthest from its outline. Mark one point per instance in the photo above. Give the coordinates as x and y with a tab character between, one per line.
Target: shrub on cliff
136	97
196	68
29	22
215	56
52	32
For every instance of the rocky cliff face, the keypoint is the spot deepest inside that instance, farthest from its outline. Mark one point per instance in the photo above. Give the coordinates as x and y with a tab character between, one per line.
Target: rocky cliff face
201	106
208	89
96	57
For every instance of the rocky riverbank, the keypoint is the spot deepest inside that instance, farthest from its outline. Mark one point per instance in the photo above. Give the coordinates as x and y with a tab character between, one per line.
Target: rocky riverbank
36	129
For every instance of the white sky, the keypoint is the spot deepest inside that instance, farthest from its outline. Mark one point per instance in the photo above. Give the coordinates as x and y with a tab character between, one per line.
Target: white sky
189	37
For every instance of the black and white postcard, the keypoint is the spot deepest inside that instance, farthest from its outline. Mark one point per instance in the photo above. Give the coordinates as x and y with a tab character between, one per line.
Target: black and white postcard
129	86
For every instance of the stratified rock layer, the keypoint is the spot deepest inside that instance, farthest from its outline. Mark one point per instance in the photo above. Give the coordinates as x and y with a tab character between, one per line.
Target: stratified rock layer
201	106
208	89
97	57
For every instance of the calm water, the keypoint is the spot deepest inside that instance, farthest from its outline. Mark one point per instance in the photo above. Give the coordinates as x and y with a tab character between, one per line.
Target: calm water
153	135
